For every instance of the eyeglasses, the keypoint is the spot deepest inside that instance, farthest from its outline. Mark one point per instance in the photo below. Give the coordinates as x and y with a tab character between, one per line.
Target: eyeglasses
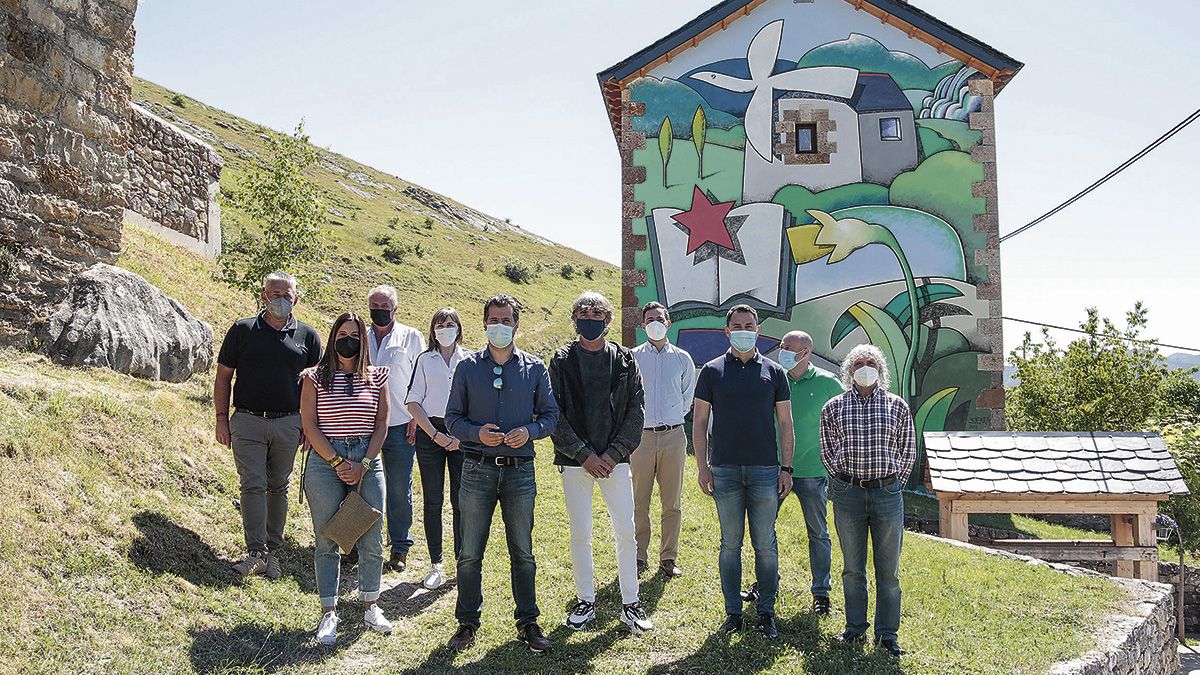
499	381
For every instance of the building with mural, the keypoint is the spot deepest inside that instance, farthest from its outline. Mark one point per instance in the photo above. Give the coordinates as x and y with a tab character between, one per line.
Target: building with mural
831	163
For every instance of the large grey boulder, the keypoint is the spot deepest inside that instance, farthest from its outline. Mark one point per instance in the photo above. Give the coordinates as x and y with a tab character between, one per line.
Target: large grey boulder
113	318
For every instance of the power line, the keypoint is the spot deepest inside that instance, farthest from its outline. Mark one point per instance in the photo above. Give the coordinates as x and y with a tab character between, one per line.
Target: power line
1084	332
1124	165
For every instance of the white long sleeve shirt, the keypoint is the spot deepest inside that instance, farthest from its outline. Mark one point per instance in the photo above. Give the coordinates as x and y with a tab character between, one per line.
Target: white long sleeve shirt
669	378
398	350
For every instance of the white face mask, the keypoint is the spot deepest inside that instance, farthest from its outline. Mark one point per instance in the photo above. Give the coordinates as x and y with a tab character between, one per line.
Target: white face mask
656	330
447	335
866	376
499	335
743	340
787	359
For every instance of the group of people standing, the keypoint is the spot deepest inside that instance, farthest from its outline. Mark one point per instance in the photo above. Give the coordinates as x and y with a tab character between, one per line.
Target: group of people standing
381	396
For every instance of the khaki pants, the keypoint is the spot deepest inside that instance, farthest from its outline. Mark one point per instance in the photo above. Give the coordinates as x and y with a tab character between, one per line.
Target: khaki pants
660	457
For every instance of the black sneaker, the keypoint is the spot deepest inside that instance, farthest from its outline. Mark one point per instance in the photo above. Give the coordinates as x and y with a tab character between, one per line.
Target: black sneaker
820	605
750	594
463	638
847	638
531	634
891	648
733	623
766	626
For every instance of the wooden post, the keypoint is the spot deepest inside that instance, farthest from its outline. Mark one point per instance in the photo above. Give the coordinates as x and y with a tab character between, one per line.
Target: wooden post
1122	534
951	525
1143	535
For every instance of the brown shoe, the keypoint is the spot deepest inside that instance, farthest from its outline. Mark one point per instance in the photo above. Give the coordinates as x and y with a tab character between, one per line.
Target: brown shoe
531	634
273	571
670	569
398	561
641	566
256	563
463	638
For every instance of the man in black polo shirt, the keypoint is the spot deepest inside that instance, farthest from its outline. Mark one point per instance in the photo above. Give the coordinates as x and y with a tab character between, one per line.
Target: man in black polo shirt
747	397
267	352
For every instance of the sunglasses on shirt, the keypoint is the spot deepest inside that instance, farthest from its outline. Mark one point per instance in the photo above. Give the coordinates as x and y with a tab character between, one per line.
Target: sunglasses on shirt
499	381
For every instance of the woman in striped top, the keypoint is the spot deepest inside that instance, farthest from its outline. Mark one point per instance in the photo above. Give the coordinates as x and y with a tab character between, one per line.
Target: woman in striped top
437	451
344	409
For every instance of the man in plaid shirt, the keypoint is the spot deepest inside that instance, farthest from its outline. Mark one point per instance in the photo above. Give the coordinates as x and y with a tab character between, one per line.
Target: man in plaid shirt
868	445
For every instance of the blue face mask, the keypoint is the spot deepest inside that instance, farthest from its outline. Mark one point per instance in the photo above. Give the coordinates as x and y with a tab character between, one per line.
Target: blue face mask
590	329
743	340
499	335
787	359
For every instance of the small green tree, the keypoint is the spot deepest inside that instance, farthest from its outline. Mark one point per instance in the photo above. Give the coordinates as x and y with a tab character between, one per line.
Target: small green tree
589	271
665	143
699	130
286	207
567	271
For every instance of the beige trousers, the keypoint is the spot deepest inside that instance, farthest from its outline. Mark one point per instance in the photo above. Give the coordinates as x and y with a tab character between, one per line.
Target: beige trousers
660	457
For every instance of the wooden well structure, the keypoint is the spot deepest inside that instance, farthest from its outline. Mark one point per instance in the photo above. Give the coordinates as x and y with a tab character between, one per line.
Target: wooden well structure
1120	475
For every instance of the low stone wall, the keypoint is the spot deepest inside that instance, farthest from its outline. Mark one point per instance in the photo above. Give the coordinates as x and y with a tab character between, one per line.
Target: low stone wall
1140	641
1168	573
173	183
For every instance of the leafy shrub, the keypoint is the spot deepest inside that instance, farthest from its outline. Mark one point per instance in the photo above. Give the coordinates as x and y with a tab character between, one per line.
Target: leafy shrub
429	223
479	265
177	100
381	239
589	271
518	271
567	271
396	253
1183	440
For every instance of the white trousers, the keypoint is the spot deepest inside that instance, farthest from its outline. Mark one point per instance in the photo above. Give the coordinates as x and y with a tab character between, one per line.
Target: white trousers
617	490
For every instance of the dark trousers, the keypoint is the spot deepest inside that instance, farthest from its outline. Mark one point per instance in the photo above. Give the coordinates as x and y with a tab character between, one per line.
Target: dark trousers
433	462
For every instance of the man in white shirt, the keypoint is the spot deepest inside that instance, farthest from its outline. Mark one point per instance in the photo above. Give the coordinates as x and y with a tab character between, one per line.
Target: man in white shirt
396	346
669	378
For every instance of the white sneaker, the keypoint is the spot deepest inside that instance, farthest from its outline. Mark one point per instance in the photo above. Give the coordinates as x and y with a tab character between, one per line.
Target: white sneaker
635	617
434	579
376	621
327	629
581	615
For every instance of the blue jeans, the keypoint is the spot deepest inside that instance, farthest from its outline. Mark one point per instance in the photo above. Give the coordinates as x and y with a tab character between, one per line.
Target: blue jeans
812	495
514	488
879	511
398	470
325	492
748	493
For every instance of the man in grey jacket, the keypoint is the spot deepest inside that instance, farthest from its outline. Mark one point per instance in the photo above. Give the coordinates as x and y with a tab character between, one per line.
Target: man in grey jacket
600	397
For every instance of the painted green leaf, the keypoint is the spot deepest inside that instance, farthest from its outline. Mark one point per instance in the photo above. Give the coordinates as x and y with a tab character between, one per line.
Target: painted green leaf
699	130
883	332
931	416
665	141
899	308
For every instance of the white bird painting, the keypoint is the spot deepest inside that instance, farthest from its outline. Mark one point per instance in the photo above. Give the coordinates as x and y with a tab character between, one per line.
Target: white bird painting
761	57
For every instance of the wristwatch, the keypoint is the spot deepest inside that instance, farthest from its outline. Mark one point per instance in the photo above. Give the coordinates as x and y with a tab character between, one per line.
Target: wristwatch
366	463
787	469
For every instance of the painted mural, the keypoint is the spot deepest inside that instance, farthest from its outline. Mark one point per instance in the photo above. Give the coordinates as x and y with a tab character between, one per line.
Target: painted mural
825	179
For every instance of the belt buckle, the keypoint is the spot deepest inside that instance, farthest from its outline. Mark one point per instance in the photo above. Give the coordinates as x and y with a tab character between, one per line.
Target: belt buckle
498	461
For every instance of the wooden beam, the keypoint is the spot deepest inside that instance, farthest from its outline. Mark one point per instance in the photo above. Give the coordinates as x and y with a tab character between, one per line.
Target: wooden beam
1122	534
951	525
1143	535
1048	504
1040	496
1056	550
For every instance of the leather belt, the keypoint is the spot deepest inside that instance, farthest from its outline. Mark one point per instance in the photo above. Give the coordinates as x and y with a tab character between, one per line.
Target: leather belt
267	414
663	427
496	461
868	484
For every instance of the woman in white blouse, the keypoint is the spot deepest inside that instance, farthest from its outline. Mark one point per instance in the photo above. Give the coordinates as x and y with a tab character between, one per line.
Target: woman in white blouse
437	450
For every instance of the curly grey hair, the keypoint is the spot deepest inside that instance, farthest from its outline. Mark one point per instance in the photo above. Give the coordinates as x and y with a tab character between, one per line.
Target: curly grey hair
885	377
592	300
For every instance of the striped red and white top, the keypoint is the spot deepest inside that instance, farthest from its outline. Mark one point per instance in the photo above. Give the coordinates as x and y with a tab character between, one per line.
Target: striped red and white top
340	415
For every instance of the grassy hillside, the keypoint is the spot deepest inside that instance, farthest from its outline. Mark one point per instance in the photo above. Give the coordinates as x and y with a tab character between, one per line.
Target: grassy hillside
462	250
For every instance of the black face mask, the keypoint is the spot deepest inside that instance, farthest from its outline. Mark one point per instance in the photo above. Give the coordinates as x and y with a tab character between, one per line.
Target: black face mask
590	329
347	347
381	317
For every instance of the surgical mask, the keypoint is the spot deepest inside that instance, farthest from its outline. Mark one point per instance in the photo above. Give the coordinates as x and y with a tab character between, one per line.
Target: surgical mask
866	376
446	336
787	359
280	308
381	317
590	329
743	340
656	330
499	335
347	346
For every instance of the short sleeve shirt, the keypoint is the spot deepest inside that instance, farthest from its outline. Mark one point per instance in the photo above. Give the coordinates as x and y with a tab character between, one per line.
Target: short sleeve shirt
809	394
348	406
743	398
267	363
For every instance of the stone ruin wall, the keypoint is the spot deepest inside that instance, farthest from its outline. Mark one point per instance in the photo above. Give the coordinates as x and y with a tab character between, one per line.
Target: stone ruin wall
65	68
173	183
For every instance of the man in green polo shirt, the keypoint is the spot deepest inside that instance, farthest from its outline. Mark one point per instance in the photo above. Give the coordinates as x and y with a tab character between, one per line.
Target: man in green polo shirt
811	387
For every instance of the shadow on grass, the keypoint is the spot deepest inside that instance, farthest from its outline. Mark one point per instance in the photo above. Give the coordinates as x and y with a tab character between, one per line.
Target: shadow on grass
409	599
754	653
164	547
260	648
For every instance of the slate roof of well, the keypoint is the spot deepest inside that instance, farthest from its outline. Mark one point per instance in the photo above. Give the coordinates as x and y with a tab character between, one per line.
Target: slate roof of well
1051	463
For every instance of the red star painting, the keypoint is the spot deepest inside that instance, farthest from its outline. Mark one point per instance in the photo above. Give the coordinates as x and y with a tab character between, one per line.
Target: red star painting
705	222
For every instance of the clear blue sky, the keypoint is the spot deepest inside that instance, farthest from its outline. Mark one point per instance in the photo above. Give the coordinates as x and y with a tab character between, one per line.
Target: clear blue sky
496	105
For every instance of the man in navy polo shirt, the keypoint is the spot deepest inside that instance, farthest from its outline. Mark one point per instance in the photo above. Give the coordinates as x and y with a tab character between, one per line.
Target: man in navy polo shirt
266	353
747	397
